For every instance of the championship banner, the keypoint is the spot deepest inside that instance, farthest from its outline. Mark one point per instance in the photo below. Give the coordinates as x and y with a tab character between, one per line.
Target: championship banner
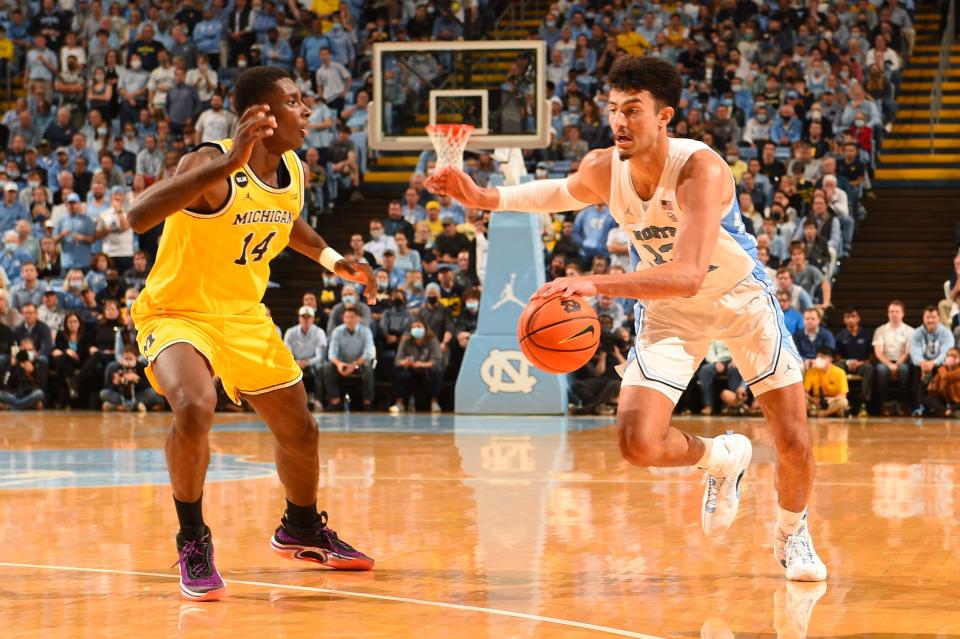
495	378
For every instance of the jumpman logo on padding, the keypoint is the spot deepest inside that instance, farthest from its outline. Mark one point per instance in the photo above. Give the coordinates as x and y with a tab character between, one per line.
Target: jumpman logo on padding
507	295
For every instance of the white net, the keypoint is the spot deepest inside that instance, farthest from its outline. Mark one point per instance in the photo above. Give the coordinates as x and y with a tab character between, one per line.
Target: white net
449	140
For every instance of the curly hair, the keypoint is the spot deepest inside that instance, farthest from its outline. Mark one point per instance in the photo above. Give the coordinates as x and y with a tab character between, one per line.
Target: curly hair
654	75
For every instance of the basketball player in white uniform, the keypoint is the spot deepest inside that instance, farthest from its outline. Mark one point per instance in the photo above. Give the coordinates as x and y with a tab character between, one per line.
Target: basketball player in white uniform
697	279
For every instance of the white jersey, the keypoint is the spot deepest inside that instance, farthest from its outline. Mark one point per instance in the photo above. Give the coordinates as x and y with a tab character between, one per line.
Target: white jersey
652	225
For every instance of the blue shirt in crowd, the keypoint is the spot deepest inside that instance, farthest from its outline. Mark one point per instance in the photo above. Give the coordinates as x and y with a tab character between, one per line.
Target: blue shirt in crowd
590	230
808	347
74	253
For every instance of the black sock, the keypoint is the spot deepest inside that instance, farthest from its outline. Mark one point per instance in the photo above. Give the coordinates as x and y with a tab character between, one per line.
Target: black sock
301	516
190	516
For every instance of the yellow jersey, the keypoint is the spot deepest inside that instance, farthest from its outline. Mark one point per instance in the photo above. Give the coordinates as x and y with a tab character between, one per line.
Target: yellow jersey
832	382
218	263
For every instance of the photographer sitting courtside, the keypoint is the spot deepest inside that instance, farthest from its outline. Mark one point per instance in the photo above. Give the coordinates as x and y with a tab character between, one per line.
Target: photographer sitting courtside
826	386
21	390
127	389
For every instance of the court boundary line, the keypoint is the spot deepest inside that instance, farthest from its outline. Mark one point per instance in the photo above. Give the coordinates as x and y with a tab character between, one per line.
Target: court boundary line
360	595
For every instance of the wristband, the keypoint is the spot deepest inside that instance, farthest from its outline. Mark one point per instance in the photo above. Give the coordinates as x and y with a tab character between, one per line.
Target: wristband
329	258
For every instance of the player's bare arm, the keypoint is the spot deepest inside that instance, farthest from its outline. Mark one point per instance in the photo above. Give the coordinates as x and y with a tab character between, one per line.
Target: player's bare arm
204	172
704	185
589	185
306	241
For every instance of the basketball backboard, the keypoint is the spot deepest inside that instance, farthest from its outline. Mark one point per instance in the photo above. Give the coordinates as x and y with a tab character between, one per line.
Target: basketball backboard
497	86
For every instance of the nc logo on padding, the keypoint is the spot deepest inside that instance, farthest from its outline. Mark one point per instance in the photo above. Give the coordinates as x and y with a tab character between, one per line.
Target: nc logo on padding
507	372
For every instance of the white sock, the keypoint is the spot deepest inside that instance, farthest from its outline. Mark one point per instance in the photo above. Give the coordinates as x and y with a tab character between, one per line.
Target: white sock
714	454
789	521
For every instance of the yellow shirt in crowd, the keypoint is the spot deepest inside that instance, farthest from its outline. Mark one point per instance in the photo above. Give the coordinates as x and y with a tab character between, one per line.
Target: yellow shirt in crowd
832	381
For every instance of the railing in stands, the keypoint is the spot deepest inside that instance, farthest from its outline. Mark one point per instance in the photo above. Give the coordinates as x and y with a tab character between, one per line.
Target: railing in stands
512	12
936	94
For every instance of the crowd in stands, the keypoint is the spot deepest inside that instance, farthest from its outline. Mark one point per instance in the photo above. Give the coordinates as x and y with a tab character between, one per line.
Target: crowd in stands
797	98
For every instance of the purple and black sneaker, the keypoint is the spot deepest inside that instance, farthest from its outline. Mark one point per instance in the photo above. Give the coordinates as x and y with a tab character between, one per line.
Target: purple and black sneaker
199	579
318	544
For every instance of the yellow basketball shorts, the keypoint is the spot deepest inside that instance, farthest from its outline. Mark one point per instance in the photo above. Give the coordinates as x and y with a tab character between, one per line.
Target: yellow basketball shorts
244	351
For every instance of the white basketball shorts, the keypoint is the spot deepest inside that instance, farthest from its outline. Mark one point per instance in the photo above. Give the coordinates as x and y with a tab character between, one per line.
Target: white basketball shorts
673	336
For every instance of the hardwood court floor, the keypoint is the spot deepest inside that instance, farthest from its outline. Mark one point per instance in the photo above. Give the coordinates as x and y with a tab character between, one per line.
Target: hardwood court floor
481	527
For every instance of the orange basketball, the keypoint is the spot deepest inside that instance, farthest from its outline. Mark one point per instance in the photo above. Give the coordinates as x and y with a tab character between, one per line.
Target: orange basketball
558	335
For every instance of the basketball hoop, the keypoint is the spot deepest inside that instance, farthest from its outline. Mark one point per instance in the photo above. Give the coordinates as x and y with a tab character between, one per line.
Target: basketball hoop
450	140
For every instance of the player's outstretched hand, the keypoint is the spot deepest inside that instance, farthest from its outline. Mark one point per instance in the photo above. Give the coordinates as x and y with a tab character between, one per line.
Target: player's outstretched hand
453	182
359	274
255	124
567	286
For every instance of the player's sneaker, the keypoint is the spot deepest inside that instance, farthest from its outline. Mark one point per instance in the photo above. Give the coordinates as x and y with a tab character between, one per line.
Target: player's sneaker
721	497
798	555
199	579
318	544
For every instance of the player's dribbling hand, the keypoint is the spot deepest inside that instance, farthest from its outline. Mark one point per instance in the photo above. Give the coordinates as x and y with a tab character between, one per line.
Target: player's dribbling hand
255	125
360	274
567	286
453	182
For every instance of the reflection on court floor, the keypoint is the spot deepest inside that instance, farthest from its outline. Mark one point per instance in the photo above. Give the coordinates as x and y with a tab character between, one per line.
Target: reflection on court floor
481	527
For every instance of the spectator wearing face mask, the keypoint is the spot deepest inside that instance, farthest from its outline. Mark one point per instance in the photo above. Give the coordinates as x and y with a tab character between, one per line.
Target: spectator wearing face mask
394	322
758	128
418	366
942	398
74	284
12	258
349	299
379	241
436	316
826	386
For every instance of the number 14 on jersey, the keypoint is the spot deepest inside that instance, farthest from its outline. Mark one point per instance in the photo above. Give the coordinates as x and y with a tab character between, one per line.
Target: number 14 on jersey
257	251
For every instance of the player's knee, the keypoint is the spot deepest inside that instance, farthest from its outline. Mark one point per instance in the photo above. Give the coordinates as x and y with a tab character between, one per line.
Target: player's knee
641	447
193	408
308	433
794	447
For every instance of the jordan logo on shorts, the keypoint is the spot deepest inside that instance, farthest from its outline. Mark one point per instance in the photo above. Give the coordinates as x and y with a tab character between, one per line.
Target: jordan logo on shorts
147	343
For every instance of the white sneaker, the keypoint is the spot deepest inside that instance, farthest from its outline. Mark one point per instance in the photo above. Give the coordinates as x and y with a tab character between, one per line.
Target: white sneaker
721	497
792	606
799	557
435	407
396	409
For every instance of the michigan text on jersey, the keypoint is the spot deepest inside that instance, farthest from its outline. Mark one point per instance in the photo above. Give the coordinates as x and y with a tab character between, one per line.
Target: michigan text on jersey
276	216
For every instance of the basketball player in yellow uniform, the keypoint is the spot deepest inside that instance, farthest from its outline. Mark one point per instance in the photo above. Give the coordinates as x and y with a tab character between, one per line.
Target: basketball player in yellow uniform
232	207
